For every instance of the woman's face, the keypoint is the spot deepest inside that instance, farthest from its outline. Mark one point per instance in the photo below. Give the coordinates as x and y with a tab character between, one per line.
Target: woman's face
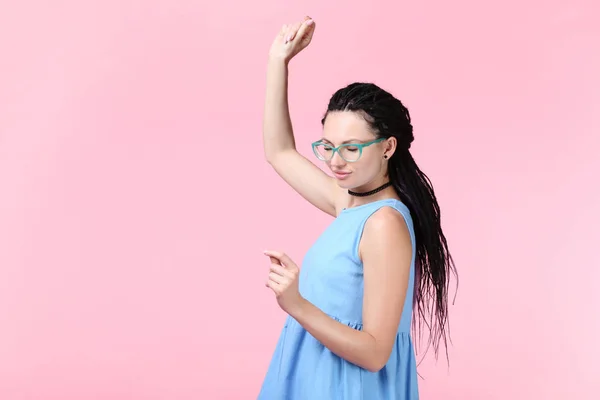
347	127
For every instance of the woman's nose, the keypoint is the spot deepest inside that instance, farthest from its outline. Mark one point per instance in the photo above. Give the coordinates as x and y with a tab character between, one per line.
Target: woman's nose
337	159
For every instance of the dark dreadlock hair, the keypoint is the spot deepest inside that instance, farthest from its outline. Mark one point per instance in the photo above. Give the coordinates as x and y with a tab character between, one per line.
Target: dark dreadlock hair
387	117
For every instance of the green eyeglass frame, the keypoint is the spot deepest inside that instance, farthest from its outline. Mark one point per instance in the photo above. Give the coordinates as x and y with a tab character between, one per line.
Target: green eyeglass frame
359	146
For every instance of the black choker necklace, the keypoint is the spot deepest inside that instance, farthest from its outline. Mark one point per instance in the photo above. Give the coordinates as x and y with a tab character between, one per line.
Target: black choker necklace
379	189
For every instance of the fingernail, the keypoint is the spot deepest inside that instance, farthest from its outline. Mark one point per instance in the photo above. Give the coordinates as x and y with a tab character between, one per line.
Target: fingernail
309	22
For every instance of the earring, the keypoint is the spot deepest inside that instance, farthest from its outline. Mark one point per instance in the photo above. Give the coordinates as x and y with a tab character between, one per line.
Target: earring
385	156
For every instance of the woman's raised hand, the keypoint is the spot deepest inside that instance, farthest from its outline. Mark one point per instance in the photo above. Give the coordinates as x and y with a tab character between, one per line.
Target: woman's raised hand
292	39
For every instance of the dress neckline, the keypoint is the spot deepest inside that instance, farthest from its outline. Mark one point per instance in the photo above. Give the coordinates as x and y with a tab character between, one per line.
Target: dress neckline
350	209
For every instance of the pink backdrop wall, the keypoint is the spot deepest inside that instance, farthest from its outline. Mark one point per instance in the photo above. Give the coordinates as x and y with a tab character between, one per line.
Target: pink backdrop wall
130	134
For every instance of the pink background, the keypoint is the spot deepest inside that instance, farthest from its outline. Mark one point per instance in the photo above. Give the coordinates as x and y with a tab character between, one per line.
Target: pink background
130	133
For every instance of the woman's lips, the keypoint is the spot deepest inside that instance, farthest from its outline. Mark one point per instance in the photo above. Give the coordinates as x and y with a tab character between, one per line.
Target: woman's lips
341	174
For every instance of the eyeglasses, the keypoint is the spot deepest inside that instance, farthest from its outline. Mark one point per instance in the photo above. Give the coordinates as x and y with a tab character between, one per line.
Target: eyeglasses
350	152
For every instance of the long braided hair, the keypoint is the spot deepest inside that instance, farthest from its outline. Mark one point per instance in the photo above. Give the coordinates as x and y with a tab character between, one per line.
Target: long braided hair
387	117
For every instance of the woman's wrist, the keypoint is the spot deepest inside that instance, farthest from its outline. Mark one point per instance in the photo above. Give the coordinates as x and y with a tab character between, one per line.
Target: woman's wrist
297	309
277	62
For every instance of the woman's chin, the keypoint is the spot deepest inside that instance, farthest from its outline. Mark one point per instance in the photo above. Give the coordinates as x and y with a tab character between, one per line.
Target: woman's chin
344	184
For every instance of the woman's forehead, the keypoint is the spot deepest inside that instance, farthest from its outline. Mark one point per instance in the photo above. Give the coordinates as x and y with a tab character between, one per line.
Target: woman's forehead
346	126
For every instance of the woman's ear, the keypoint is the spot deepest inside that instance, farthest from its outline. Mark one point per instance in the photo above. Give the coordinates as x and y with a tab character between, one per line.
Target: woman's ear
389	147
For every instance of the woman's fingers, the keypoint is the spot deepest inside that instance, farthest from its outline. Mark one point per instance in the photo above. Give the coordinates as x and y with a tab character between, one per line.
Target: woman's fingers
294	30
274	260
283	258
288	34
280	279
282	31
291	39
279	270
306	32
276	287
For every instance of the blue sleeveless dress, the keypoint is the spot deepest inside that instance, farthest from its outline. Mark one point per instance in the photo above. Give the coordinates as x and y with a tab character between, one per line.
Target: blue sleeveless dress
331	278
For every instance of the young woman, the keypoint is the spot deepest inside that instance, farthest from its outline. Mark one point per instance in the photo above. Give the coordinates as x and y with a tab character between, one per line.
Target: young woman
347	334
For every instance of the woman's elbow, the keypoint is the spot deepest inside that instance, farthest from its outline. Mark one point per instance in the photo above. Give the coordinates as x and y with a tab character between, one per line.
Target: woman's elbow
377	362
